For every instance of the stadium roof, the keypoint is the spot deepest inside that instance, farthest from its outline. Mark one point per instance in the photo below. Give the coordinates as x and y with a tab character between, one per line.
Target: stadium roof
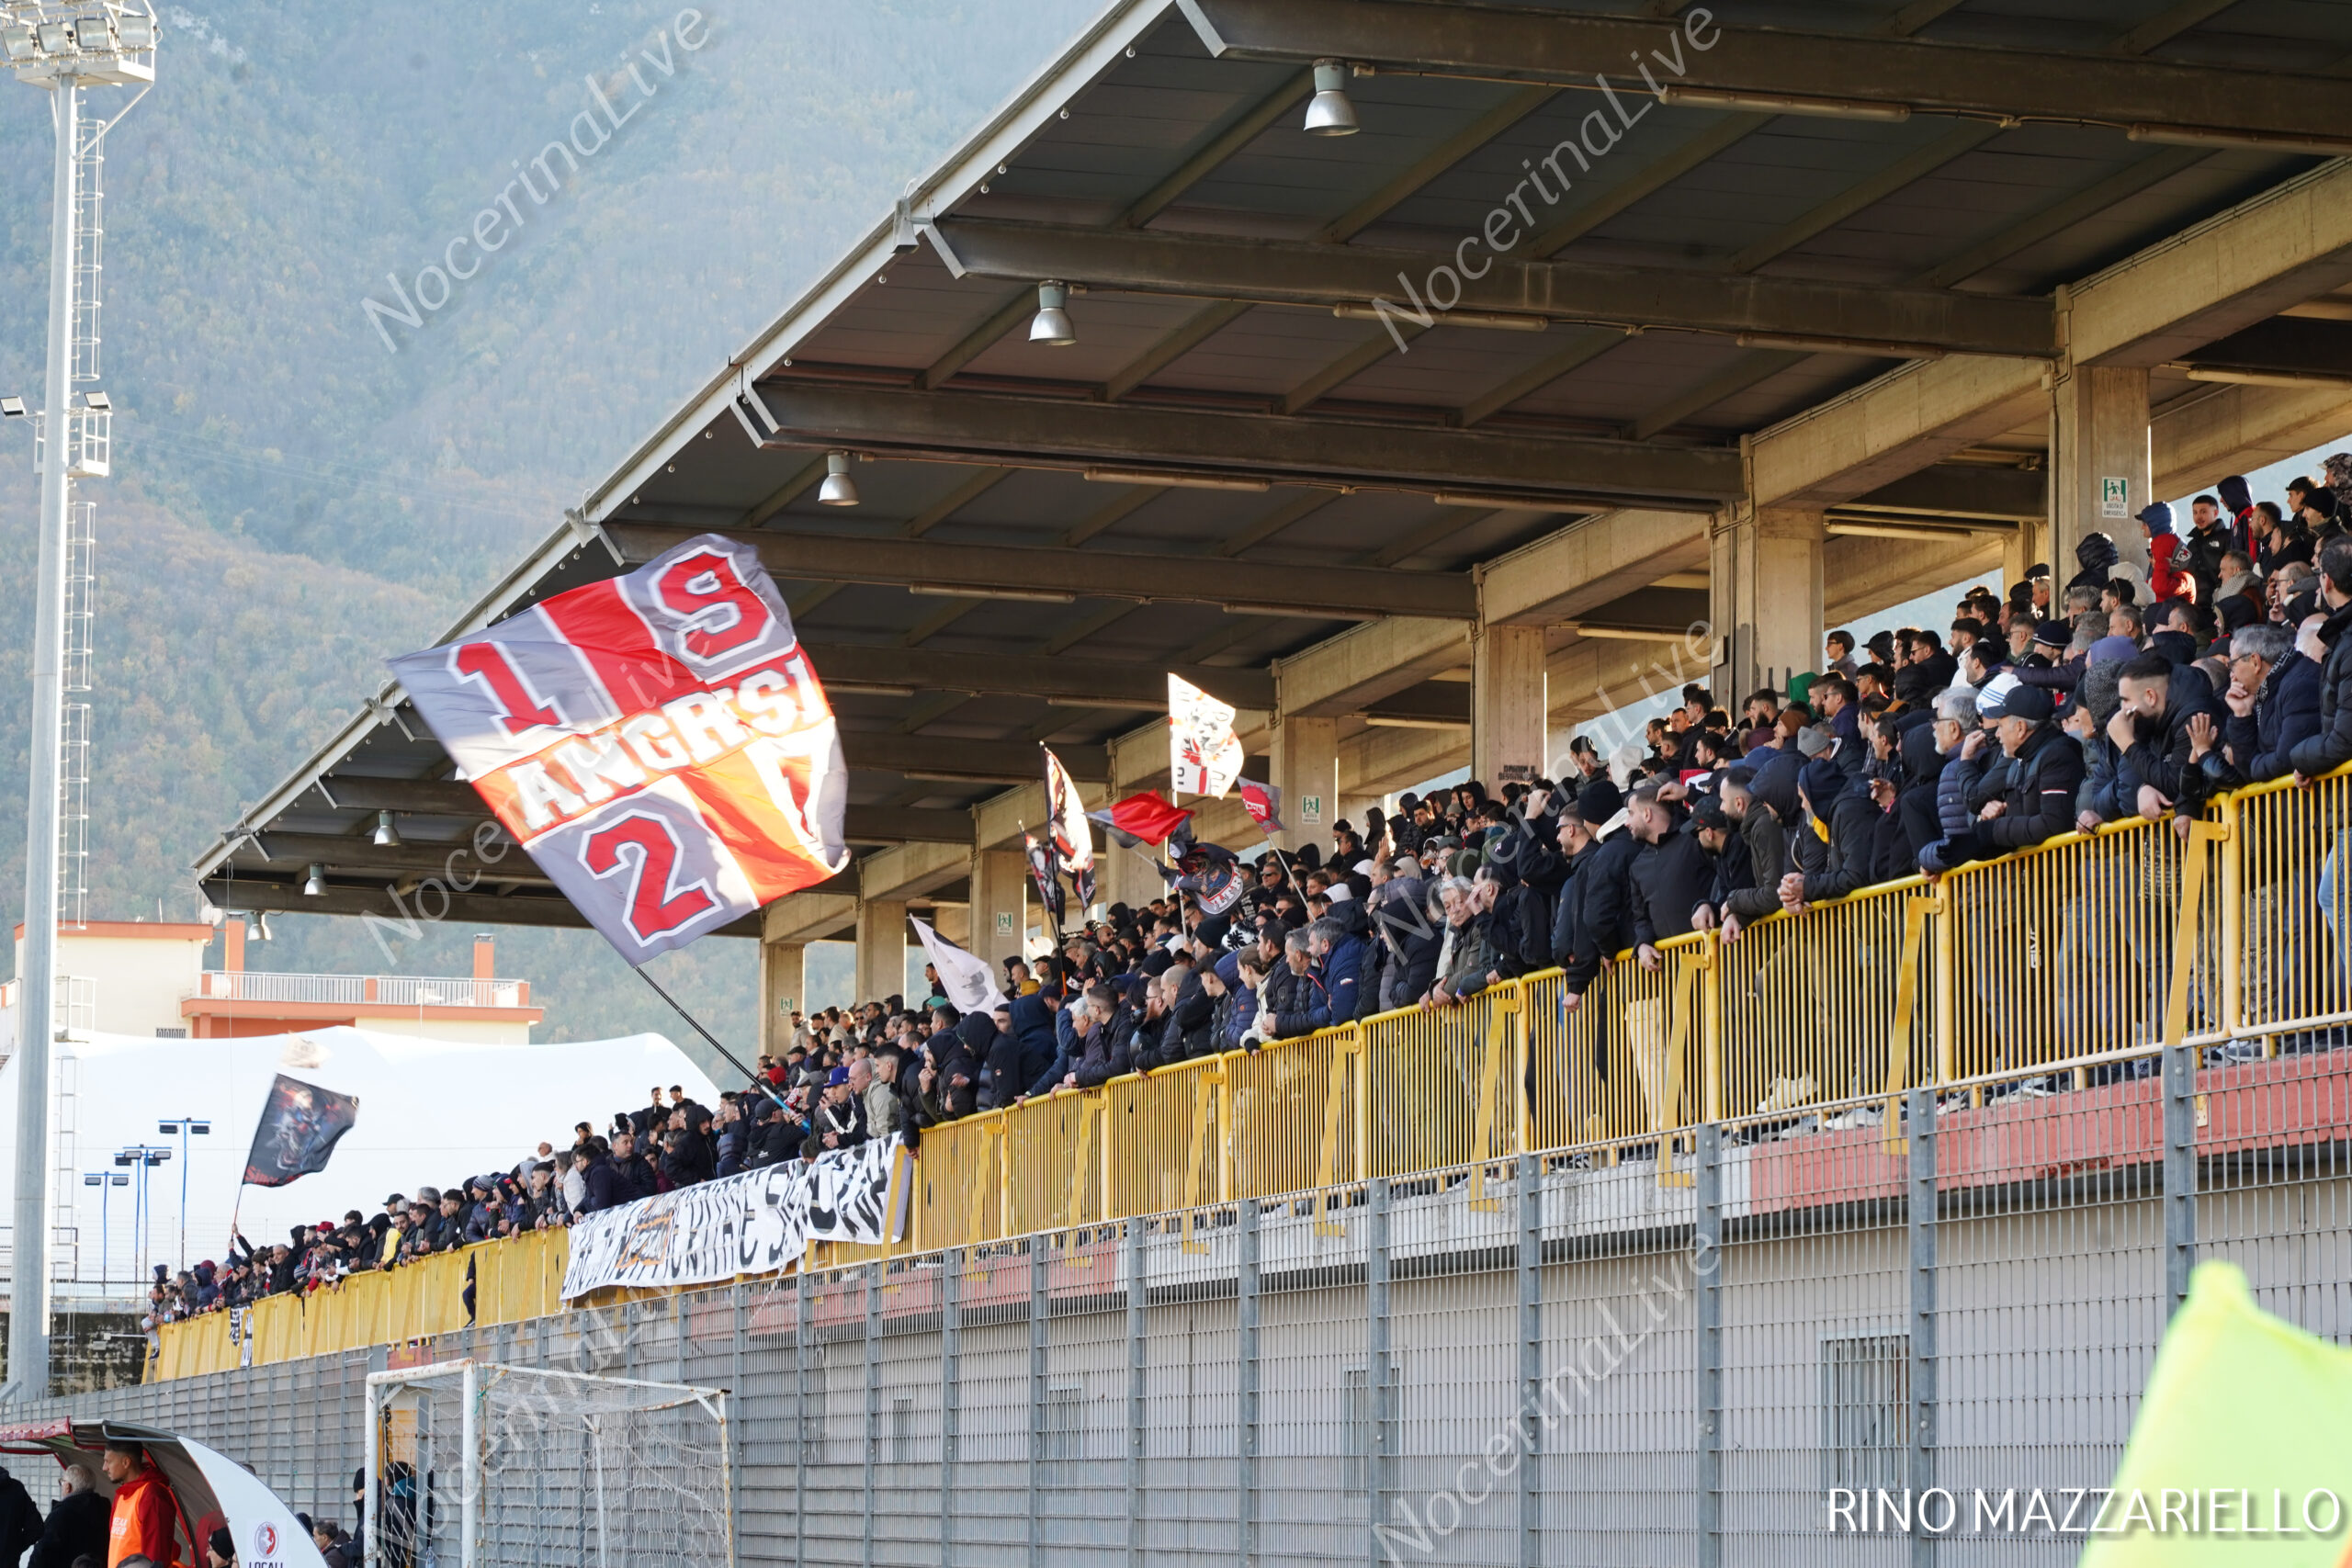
1266	433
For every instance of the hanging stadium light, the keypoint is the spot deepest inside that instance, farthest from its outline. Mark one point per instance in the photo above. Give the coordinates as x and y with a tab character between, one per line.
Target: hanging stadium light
56	38
93	35
1329	113
16	41
1051	325
839	489
12	408
387	836
315	886
136	31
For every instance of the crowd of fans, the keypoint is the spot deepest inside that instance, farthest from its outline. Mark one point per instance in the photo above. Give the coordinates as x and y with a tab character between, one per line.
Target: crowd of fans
2123	692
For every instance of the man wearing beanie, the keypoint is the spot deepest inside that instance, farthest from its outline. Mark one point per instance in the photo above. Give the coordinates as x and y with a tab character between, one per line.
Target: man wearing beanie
1594	924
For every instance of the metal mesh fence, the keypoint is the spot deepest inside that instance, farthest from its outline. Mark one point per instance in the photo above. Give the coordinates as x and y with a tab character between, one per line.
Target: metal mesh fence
1693	1344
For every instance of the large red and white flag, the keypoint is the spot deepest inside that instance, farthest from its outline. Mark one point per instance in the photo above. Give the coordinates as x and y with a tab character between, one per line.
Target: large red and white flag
657	741
1204	754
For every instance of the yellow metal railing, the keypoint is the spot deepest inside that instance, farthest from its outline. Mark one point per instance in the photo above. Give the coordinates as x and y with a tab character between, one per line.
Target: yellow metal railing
2139	934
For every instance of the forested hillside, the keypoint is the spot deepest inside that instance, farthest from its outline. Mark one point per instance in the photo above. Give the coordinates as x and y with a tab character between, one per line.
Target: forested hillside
294	500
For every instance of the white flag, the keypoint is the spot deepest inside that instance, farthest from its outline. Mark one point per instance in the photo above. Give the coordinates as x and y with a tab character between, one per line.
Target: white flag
965	977
1204	754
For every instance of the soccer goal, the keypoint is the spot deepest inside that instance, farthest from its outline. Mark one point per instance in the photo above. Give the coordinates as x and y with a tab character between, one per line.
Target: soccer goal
476	1464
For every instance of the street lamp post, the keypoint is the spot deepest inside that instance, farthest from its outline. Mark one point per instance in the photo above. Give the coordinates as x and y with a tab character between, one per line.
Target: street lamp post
183	1126
61	48
106	1181
142	1157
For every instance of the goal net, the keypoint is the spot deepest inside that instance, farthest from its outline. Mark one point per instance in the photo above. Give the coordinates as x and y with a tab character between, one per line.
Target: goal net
478	1464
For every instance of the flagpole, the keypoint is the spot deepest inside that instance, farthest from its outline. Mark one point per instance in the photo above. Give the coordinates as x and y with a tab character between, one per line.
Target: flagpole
759	1082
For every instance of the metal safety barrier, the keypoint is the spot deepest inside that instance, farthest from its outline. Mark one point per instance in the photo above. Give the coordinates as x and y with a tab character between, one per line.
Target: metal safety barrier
1690	1350
2042	968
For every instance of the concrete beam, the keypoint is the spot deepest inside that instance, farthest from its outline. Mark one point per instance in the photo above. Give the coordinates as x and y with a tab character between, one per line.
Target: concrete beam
466	908
1593	676
1009	759
1382	761
806	917
2291	243
1324	275
358	854
1781	68
1588	563
1062	432
1032	675
2286	245
1340	593
440	797
2234	429
1895	425
999	821
1345	673
1865	576
1964	489
911	871
2289	346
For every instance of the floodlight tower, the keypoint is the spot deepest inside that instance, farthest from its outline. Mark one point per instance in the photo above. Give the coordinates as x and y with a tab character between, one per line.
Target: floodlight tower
62	48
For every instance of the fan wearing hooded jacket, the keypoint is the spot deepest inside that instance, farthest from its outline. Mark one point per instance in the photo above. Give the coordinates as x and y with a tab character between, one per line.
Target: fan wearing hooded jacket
2095	553
2166	578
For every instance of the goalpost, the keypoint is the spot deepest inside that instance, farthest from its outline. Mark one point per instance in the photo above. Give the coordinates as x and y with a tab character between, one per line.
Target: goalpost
472	1464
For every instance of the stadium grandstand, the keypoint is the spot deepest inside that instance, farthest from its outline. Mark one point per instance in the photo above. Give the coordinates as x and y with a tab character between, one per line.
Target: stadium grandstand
1892	1026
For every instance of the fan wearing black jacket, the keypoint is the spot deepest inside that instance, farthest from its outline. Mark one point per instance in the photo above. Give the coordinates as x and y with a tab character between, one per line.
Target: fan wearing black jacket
76	1526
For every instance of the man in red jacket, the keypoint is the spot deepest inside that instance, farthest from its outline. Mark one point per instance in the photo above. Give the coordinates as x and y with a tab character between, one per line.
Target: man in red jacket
143	1511
2166	579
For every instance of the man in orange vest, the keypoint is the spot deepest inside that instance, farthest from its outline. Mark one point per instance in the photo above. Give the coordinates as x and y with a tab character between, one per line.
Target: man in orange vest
143	1511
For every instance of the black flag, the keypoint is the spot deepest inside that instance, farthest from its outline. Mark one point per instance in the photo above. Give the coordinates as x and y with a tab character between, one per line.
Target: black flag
300	1128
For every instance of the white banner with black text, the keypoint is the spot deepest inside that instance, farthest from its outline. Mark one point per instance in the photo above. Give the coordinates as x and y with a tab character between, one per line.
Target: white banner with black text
751	1224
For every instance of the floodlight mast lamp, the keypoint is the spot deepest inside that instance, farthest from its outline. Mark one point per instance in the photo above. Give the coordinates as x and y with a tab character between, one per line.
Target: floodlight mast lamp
61	50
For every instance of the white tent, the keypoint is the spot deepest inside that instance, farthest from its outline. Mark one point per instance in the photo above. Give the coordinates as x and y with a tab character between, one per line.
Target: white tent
431	1112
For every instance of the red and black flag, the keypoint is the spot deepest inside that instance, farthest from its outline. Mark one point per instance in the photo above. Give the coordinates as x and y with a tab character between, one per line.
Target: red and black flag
300	1128
1045	872
1142	819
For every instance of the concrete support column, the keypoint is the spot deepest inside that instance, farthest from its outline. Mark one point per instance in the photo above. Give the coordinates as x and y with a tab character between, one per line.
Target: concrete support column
784	985
881	948
2098	462
1307	770
1508	703
2024	548
1765	598
1000	903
